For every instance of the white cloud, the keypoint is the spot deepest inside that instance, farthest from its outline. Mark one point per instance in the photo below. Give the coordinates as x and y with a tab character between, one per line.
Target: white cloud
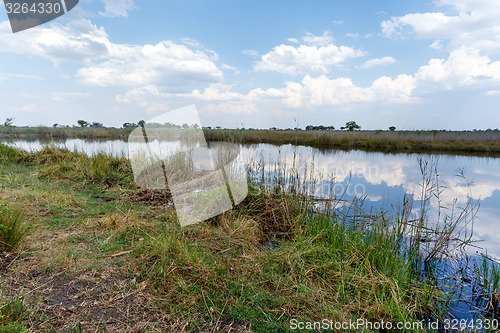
226	66
165	64
322	91
108	63
116	8
231	68
304	59
475	25
352	35
138	94
437	45
378	62
190	42
293	40
78	41
322	40
310	93
464	67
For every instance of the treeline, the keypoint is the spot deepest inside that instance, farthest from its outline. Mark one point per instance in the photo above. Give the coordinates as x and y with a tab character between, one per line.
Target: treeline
349	126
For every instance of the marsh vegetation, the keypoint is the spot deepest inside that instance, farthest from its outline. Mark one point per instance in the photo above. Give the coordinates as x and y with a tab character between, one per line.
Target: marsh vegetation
452	142
114	256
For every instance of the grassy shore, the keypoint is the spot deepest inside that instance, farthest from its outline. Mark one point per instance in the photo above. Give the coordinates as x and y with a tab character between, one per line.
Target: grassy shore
100	254
475	143
42	132
385	141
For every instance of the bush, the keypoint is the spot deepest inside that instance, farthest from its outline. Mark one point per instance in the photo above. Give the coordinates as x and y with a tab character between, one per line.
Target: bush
12	228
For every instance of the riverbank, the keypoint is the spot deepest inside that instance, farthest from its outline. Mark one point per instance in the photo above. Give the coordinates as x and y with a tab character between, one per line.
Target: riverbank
44	133
438	142
474	143
102	253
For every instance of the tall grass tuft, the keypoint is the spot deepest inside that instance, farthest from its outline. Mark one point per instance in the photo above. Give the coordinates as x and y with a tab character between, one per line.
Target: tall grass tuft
61	163
13	230
7	153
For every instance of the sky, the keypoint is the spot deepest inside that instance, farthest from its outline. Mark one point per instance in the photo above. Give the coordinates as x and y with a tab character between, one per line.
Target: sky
259	64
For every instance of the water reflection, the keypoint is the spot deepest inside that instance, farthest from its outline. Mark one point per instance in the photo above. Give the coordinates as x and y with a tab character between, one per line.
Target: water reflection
382	179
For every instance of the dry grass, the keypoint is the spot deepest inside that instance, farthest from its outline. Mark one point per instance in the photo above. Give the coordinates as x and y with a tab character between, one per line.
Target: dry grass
400	141
43	132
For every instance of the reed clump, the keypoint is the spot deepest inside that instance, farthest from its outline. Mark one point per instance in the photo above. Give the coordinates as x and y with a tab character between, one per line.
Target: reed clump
13	229
61	163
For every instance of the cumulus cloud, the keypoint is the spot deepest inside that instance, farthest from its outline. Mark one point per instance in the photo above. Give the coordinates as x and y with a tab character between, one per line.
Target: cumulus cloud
311	92
323	91
165	64
464	67
305	59
469	35
116	8
475	25
378	62
79	40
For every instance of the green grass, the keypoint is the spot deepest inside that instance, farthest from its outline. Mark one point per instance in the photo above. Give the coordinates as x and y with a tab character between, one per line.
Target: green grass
12	315
13	229
220	273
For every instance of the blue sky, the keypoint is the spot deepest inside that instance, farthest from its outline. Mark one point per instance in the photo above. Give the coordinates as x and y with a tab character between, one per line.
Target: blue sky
411	64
